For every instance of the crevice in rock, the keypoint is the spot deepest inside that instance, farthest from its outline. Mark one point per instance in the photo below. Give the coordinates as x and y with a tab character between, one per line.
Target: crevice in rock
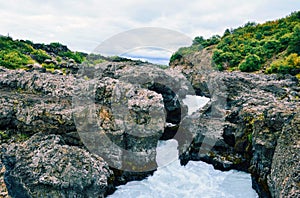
172	107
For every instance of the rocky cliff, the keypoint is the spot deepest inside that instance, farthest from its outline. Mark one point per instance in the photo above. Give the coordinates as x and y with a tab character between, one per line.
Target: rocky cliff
250	124
46	120
130	112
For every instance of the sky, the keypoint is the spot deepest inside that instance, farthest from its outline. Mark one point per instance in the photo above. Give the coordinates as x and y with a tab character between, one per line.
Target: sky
83	25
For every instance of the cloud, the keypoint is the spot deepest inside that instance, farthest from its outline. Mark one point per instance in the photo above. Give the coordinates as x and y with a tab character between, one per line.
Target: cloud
83	25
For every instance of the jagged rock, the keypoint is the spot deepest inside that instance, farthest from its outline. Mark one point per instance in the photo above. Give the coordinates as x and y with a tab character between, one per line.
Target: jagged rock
3	189
50	61
35	102
36	66
57	71
240	128
284	178
42	102
52	49
37	83
131	121
242	125
196	67
44	166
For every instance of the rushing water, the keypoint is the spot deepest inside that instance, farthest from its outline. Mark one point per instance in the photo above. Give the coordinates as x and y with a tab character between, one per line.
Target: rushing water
196	179
194	103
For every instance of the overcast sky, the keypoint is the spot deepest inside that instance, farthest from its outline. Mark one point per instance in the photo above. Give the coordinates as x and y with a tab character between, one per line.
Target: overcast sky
83	25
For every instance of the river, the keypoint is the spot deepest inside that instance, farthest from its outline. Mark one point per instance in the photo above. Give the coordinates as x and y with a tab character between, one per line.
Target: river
195	180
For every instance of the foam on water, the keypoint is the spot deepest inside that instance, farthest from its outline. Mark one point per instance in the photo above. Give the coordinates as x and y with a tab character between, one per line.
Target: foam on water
194	102
196	179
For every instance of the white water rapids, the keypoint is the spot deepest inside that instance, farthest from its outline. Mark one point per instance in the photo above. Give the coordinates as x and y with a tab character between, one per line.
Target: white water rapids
195	180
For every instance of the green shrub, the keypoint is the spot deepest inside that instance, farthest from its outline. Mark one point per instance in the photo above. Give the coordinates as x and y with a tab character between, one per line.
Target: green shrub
3	135
250	64
226	60
8	44
18	53
175	56
294	44
287	65
22	137
58	59
14	59
265	40
76	56
94	59
50	66
40	55
271	47
199	40
183	51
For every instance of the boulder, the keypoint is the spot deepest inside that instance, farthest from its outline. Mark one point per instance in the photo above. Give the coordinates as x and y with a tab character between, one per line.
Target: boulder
129	122
44	166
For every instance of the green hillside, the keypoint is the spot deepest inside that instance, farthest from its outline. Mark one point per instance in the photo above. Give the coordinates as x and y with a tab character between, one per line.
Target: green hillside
16	54
20	54
271	47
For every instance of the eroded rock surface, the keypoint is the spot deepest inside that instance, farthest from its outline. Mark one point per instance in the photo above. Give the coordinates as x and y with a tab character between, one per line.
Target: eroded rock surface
284	179
3	189
131	104
250	123
44	166
243	125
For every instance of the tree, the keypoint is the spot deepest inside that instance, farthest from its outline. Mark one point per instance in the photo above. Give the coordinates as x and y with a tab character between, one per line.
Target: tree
226	33
198	40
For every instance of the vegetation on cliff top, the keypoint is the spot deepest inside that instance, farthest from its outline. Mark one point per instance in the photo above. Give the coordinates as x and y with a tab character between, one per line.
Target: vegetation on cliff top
271	47
16	54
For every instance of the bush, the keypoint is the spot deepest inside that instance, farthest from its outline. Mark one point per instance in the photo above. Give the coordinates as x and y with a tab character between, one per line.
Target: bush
271	47
251	63
263	40
294	44
56	45
40	55
226	60
58	59
175	56
76	56
199	40
14	59
50	66
94	59
287	65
